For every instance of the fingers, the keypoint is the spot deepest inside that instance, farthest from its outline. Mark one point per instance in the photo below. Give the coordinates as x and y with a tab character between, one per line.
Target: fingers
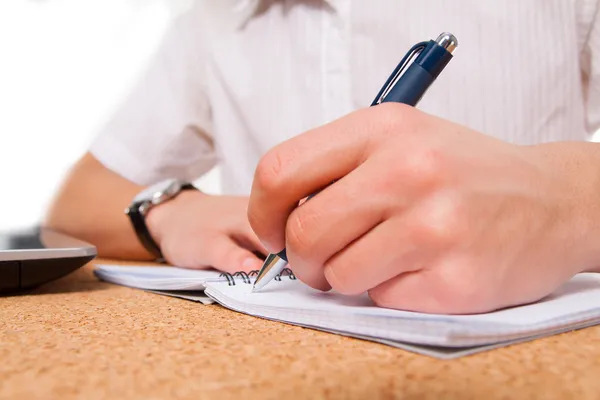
409	292
342	213
386	251
333	220
225	254
412	239
248	239
417	292
307	163
450	285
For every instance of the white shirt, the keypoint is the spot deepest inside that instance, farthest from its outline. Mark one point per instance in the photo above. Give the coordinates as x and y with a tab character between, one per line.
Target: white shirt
234	78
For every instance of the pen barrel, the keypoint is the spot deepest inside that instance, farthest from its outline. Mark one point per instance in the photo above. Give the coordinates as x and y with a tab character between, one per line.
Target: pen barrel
417	78
433	59
413	85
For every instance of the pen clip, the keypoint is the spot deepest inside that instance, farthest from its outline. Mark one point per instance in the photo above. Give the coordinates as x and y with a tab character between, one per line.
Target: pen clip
398	71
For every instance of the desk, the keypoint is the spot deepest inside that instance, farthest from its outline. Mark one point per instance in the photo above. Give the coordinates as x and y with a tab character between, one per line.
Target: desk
81	338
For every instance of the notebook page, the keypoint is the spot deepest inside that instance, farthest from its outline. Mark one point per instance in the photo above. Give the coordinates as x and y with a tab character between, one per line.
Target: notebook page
295	303
447	353
576	303
156	278
580	294
158	272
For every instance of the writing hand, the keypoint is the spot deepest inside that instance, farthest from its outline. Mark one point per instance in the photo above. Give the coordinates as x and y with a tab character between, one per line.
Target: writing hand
424	214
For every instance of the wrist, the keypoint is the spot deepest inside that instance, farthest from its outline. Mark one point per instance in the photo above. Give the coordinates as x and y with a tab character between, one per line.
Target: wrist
161	217
574	168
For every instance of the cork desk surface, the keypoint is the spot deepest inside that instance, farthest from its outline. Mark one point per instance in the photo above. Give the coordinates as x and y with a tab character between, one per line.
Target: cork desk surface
81	338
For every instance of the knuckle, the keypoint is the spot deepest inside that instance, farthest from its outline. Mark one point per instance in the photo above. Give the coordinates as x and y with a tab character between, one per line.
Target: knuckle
395	117
297	234
270	172
422	169
387	122
425	165
440	221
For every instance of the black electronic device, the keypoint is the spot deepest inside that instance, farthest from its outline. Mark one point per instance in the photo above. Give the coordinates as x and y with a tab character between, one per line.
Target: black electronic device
32	257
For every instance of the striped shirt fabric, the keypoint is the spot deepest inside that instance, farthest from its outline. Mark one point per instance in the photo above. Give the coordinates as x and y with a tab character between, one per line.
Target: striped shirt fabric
233	78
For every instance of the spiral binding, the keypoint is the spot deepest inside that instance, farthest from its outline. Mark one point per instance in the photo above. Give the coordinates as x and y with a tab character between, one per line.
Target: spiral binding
231	281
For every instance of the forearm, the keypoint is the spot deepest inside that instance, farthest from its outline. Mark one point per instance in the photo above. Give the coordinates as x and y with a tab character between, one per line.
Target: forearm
90	205
581	162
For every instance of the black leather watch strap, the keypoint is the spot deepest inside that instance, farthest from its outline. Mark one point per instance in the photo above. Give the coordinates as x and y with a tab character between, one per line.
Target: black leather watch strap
141	229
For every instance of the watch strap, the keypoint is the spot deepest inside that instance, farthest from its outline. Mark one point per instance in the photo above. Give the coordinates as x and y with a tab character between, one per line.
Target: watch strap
141	228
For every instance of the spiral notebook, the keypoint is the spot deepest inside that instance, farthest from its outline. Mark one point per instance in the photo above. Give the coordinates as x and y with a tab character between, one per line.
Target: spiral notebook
574	305
183	283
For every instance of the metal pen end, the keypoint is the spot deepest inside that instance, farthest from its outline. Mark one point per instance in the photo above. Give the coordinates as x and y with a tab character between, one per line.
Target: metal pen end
272	266
269	263
448	41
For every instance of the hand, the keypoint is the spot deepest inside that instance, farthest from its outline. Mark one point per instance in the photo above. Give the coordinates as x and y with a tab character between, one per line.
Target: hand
197	230
424	214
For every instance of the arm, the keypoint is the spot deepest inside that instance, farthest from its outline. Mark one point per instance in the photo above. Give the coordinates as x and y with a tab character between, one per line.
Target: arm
90	205
159	132
193	230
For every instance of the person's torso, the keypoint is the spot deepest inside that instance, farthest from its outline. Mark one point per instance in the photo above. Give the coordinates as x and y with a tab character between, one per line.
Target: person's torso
295	65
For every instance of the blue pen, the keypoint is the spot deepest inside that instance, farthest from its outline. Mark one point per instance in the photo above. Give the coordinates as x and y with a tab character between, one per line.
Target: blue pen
405	85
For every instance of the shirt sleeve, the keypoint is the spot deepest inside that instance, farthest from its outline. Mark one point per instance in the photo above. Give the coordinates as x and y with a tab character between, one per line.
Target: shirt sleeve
591	71
162	129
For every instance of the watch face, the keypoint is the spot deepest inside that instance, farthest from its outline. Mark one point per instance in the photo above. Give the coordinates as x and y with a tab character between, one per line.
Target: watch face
159	192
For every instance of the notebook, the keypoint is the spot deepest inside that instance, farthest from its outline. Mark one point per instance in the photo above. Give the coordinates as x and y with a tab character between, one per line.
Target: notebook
169	281
574	305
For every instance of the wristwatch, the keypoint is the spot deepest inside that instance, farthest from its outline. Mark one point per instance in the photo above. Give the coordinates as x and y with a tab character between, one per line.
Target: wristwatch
146	200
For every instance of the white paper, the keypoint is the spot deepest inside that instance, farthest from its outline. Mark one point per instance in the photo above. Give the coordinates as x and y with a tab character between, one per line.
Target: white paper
156	278
575	304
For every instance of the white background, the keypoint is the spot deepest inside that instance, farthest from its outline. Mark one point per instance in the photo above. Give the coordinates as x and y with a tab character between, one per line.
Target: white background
64	66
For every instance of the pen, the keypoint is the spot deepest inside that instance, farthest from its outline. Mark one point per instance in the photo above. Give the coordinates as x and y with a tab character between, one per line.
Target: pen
405	85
